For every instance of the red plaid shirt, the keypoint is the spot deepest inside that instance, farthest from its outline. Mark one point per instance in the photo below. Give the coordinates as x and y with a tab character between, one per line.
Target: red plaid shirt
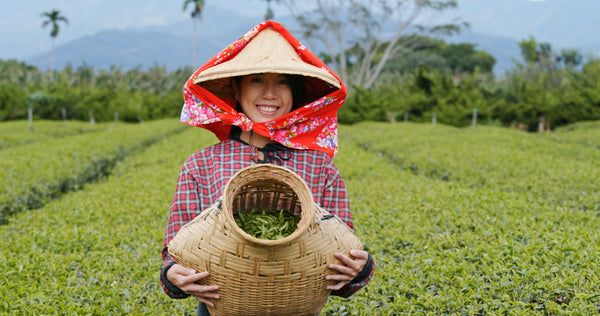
205	174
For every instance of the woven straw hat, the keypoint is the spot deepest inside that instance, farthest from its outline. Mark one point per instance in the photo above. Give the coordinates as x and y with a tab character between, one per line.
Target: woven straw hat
268	51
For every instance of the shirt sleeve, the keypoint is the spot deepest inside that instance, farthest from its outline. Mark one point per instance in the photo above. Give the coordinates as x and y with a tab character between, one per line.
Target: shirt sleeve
335	198
184	207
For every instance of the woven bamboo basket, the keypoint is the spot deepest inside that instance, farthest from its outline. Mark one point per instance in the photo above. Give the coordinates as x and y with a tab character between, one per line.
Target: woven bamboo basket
264	277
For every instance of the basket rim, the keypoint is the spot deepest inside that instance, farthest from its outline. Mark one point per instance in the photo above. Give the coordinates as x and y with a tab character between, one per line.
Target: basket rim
307	215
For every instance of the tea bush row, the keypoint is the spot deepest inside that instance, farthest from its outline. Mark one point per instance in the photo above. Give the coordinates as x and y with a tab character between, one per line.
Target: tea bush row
564	172
446	248
38	172
441	247
97	251
584	133
14	133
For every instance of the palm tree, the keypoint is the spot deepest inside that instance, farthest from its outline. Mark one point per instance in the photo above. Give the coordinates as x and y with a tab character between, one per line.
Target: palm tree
197	12
52	18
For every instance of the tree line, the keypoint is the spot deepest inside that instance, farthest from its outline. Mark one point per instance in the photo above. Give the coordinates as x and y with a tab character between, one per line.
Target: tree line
450	81
547	90
85	93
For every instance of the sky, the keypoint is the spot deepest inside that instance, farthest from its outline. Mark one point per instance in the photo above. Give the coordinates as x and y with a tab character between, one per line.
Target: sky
21	34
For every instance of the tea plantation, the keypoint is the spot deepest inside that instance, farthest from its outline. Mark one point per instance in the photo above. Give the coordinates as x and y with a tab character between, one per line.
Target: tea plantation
472	221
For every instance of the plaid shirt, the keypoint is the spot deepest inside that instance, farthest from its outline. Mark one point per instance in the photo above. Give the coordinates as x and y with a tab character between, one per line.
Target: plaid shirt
204	175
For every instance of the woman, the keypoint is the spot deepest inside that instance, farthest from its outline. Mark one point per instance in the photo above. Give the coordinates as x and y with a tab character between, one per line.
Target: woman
268	100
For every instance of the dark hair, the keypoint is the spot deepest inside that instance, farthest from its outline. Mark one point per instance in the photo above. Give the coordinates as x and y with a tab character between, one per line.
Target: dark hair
296	84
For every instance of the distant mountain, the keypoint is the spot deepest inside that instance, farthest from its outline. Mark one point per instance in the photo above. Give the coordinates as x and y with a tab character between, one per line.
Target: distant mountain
128	49
169	45
496	27
562	23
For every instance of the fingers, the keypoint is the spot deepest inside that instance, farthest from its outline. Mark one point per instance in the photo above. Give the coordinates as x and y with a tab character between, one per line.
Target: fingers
196	277
189	286
337	286
186	279
359	254
205	301
204	297
349	268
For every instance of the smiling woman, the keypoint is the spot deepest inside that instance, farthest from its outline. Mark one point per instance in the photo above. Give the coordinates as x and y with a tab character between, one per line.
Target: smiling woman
269	100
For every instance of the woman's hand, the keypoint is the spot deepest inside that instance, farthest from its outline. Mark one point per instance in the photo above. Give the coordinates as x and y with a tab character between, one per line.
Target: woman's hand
185	279
349	269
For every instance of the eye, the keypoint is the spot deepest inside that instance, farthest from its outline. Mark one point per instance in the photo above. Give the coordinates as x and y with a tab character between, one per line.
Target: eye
284	82
256	80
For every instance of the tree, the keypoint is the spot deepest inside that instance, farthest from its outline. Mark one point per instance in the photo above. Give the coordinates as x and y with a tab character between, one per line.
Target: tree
436	54
52	18
12	99
196	13
529	50
269	14
571	58
368	22
464	58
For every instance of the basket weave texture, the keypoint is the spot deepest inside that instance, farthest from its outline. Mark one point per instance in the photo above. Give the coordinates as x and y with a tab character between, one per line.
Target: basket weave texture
264	277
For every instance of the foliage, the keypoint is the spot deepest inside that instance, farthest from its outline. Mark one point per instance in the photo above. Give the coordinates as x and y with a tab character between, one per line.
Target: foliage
38	172
52	19
16	133
10	97
437	54
267	224
546	166
440	82
421	96
471	242
107	95
467	243
95	251
523	98
458	247
584	133
451	82
198	7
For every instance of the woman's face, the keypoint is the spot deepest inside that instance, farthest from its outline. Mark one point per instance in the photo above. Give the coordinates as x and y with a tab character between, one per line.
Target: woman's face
265	96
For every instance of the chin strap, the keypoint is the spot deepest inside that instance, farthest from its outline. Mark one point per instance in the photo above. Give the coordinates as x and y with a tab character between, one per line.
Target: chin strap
276	153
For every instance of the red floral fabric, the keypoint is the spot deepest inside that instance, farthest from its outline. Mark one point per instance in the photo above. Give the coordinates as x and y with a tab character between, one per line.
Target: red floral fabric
312	126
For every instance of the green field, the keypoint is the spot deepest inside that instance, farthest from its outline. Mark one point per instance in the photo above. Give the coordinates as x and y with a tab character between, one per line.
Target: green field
472	221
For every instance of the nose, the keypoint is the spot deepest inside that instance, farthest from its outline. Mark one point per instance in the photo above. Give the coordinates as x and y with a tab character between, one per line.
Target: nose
269	92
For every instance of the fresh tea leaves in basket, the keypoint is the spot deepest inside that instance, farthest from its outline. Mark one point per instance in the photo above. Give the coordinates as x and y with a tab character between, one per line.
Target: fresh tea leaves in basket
267	224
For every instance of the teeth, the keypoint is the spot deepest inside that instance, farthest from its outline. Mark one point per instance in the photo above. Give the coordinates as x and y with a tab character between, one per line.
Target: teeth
267	108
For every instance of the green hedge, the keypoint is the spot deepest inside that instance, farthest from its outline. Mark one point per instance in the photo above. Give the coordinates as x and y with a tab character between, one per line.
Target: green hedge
14	133
97	251
563	172
38	172
451	248
442	246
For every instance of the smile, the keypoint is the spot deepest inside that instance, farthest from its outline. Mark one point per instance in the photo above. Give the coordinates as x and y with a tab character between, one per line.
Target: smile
267	108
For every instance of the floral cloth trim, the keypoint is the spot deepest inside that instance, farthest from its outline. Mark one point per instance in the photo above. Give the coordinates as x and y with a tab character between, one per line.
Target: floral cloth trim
312	126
